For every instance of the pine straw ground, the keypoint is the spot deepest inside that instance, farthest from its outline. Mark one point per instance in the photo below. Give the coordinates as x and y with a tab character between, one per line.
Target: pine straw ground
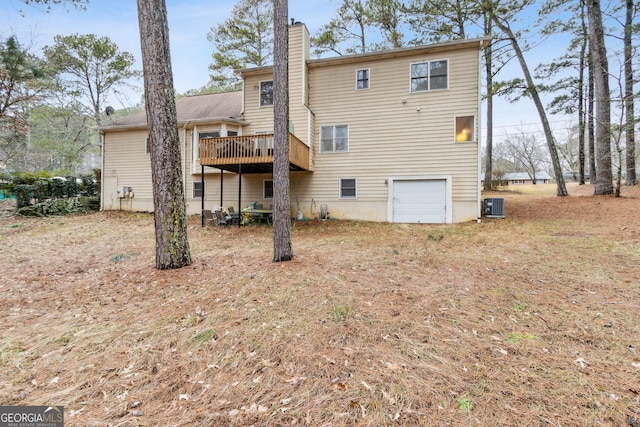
523	321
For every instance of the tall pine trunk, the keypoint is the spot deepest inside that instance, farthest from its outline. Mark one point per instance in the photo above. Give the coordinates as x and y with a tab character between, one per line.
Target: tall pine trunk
172	245
282	248
488	63
591	138
561	189
604	180
581	97
628	96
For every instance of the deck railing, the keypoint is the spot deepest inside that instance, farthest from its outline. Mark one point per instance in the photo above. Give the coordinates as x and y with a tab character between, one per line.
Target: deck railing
249	149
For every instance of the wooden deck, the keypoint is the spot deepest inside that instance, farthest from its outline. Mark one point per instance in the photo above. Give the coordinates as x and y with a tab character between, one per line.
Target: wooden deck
253	152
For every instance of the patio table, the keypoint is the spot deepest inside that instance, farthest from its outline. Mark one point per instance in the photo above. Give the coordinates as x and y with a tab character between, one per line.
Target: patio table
257	215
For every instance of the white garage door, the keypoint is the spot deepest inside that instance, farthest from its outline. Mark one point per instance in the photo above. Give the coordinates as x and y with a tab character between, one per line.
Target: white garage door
420	201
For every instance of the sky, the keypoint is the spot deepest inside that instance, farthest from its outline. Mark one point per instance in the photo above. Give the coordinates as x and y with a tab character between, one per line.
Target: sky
189	23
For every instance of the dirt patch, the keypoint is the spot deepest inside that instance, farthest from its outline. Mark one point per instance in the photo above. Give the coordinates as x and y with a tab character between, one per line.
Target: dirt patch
527	320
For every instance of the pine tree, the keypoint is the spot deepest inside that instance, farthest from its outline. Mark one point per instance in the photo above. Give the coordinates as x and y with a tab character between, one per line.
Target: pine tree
172	246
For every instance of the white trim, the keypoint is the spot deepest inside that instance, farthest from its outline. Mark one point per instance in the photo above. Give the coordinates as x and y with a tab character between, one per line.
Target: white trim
368	78
448	196
260	94
429	75
193	190
340	189
478	134
474	129
303	66
333	151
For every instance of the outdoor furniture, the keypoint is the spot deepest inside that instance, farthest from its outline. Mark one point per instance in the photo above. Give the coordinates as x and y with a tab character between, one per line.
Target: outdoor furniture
257	215
221	218
234	216
207	217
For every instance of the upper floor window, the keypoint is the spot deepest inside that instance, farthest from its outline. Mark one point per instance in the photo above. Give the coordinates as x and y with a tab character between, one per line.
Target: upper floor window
266	93
334	139
465	129
431	75
362	79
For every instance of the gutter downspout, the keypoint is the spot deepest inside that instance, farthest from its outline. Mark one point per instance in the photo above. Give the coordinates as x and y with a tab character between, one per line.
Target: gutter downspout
102	138
184	163
479	127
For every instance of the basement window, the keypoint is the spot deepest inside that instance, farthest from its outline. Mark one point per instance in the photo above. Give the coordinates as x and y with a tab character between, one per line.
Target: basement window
198	189
267	189
347	188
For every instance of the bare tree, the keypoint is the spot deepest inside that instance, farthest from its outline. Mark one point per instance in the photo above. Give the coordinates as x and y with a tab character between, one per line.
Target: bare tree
282	248
502	21
526	153
172	246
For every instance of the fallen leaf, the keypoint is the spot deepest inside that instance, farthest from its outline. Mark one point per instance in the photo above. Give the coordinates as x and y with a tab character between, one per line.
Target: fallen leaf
295	380
580	361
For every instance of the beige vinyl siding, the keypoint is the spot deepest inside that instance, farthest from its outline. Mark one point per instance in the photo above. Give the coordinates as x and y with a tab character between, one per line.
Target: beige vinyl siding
298	81
389	137
261	118
125	160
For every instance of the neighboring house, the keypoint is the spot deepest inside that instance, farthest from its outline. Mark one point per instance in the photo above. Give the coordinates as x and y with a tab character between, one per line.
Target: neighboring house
382	136
519	178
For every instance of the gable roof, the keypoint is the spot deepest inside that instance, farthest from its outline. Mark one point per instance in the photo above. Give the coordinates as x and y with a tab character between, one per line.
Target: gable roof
478	42
212	107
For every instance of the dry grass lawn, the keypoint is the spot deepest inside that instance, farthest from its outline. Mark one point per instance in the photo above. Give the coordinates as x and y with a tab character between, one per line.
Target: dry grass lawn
532	320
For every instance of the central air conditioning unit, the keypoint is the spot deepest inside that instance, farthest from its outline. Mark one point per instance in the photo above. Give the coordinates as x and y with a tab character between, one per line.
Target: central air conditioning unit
493	208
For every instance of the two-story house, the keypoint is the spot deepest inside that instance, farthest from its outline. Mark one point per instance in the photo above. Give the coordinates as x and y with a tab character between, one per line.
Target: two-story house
381	136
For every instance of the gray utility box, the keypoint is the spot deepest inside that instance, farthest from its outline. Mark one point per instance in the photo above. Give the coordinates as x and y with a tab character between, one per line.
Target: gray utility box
493	208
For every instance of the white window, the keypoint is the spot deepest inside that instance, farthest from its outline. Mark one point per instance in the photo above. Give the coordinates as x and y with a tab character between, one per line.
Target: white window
426	76
209	135
267	189
198	189
465	129
347	188
196	143
266	93
362	79
334	139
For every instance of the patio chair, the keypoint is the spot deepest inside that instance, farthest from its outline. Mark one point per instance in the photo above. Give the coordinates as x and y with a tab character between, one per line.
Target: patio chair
221	218
234	216
207	217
